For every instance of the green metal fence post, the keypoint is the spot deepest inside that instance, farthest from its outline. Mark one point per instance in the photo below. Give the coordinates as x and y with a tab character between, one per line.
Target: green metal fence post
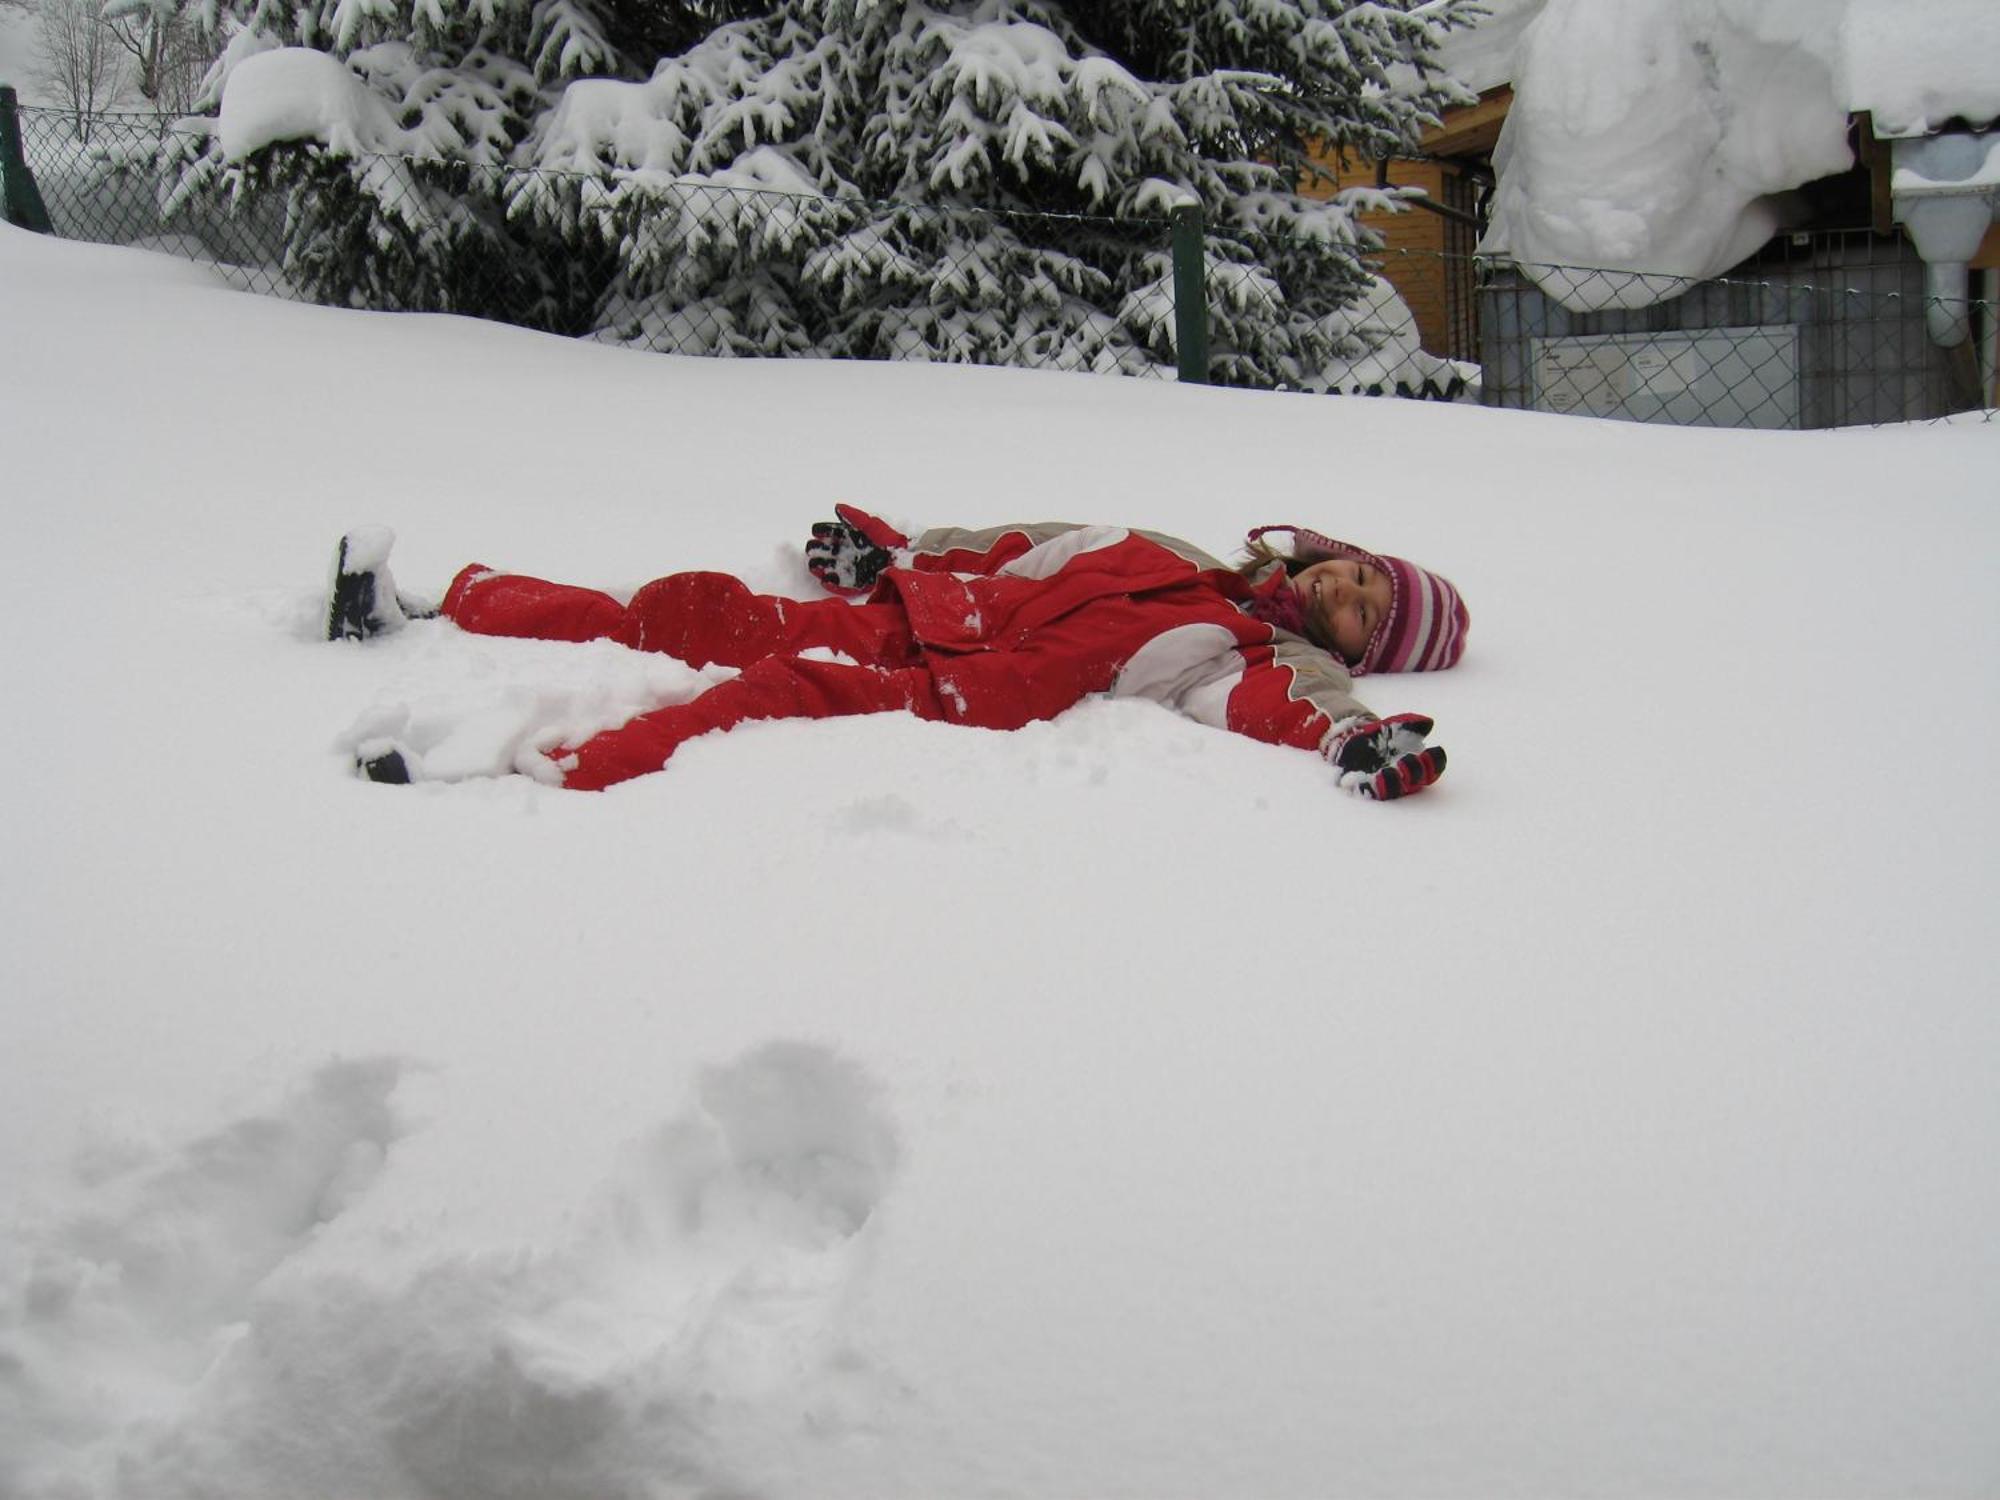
22	203
1190	294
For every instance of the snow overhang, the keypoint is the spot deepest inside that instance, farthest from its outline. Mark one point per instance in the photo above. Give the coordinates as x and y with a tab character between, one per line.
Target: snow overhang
1946	192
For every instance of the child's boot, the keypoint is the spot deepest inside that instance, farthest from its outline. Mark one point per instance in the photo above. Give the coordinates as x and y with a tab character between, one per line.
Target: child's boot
388	767
362	600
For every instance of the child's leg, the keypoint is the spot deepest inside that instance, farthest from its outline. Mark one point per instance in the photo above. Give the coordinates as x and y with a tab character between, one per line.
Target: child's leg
700	618
697	617
777	687
490	603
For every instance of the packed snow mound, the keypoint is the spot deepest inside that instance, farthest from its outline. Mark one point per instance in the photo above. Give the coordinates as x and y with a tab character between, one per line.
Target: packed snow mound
1662	136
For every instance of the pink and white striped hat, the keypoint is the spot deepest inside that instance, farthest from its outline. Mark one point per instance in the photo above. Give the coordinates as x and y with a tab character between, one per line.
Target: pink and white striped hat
1425	628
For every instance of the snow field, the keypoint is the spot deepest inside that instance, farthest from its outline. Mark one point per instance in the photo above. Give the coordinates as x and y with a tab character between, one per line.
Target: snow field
879	1108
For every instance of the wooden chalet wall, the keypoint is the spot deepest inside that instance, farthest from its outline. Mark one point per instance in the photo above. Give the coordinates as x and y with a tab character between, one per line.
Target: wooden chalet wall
1429	254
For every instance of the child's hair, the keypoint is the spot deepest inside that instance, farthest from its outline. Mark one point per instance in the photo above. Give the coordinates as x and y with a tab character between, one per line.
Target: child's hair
1258	555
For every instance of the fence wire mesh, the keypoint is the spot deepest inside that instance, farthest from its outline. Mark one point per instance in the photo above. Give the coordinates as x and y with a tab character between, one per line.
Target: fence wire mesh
1819	331
1837	330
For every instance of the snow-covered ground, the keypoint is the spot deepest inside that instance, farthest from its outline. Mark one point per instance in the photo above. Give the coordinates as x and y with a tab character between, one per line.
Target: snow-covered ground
880	1109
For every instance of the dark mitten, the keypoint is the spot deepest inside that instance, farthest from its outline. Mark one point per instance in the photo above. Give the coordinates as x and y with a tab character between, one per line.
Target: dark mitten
1386	758
848	554
842	559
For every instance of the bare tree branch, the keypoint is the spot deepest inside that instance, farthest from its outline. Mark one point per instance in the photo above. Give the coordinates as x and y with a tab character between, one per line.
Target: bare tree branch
78	60
167	46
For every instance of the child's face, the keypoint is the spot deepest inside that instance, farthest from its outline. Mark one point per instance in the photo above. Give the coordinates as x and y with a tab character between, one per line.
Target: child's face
1349	599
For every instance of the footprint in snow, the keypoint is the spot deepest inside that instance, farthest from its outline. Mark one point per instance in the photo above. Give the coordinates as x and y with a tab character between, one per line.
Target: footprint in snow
128	1303
179	1241
701	1324
753	1207
805	1152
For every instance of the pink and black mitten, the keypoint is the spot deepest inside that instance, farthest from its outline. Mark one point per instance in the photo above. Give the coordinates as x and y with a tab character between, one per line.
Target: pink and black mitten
1385	758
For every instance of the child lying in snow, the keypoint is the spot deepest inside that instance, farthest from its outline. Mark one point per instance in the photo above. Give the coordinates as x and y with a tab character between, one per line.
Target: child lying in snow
993	629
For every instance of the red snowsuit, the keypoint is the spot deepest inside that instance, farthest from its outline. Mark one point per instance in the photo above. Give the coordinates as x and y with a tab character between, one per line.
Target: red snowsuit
993	629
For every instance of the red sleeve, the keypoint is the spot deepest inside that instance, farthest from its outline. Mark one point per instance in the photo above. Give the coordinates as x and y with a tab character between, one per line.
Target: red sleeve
1291	694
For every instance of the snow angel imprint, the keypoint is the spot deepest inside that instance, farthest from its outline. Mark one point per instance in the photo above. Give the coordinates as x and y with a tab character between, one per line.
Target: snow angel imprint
992	629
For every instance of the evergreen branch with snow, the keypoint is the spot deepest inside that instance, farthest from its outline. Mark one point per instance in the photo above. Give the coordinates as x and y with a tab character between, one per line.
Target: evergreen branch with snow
933	163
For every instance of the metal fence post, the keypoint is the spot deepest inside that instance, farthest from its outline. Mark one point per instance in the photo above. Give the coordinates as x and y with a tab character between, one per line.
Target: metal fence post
22	199
1190	295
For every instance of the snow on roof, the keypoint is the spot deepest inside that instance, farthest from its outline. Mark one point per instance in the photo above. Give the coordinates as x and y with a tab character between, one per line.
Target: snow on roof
1913	63
1662	135
1482	56
1916	64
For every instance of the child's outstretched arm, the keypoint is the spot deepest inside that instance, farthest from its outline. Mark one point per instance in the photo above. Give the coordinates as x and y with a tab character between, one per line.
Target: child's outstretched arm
1289	692
1296	694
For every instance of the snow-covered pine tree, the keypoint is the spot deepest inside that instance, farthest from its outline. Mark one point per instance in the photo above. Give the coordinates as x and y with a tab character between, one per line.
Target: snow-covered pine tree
953	146
964	180
402	203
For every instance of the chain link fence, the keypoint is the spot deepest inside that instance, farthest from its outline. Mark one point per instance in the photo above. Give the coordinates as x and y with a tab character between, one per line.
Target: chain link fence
1821	331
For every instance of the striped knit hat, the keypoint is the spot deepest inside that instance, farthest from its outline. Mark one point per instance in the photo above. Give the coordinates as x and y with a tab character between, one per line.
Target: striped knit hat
1424	630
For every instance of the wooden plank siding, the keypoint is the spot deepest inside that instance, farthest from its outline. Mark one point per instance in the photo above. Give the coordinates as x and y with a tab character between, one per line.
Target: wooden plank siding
1987	256
1429	255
